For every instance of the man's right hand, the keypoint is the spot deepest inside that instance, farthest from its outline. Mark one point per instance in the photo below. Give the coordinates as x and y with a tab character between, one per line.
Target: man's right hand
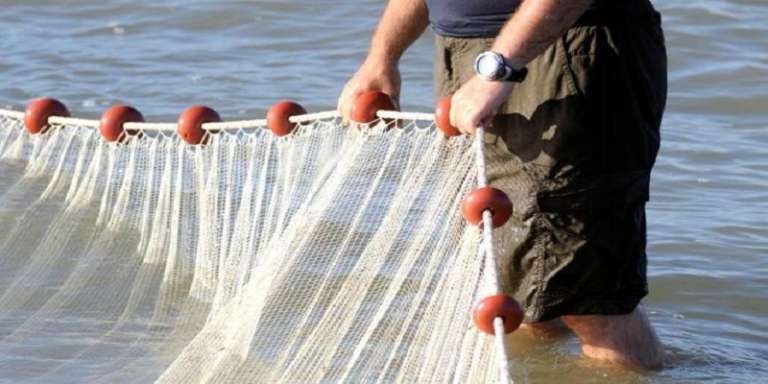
371	76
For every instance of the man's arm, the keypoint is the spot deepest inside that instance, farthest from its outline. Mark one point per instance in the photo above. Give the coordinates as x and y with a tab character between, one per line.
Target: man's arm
530	31
401	24
535	26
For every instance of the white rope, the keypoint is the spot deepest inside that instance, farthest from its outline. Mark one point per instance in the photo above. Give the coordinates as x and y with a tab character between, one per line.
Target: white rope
74	121
482	178
490	253
232	125
151	126
405	115
490	257
314	116
227	125
12	114
501	351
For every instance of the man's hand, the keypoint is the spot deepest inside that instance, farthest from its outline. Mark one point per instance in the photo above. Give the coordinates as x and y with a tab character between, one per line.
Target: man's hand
476	102
371	76
401	24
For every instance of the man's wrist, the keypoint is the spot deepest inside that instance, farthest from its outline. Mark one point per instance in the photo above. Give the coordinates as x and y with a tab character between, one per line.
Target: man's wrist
510	58
382	59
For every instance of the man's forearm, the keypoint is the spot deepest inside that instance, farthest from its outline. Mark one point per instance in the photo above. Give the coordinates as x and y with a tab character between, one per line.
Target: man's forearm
401	24
535	26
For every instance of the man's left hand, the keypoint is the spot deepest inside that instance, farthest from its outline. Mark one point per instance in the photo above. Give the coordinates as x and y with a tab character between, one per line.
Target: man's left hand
476	102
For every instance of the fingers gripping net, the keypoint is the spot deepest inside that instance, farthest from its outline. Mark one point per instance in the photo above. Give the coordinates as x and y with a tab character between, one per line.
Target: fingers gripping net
335	254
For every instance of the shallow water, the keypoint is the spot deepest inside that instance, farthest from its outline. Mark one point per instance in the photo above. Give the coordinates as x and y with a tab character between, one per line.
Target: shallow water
708	225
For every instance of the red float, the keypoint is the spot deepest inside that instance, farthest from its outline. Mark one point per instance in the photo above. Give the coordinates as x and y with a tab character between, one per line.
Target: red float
498	305
486	198
39	110
191	122
113	119
368	103
443	117
278	116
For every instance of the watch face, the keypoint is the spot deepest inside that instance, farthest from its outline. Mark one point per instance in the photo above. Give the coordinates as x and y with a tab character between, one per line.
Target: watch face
488	66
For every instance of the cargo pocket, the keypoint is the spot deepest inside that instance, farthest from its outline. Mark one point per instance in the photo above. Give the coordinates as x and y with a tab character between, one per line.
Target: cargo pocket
579	147
441	67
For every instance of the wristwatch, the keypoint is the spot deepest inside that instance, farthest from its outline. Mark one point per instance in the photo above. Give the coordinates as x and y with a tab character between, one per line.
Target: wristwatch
491	66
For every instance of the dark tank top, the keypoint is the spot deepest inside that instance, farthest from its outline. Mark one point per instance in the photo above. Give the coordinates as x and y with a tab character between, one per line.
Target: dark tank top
484	18
470	18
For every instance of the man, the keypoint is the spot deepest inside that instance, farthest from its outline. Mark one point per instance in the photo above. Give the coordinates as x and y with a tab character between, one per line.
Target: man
571	93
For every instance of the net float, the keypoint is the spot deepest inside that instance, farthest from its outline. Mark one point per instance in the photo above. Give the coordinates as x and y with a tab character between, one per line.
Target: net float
498	305
486	199
279	114
39	110
112	121
443	117
190	125
369	103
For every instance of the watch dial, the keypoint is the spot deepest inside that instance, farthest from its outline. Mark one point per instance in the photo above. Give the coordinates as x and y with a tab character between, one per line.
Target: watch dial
487	66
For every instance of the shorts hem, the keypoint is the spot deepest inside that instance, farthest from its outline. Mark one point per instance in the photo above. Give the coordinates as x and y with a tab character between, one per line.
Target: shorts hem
608	307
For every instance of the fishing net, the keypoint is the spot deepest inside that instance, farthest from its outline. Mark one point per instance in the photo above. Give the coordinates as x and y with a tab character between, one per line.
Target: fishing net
335	254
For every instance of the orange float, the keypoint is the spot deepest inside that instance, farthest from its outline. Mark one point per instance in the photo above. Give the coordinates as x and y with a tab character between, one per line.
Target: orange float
279	114
443	117
112	121
483	199
369	103
191	121
498	305
39	110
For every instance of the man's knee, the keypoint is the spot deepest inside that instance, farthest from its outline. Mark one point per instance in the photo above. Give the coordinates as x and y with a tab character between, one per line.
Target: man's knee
552	327
607	328
595	328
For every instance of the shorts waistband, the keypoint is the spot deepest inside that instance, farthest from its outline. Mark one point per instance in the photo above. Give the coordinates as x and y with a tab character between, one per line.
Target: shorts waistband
633	12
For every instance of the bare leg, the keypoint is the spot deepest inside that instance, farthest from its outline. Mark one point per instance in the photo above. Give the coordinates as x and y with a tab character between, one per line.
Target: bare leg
626	339
551	328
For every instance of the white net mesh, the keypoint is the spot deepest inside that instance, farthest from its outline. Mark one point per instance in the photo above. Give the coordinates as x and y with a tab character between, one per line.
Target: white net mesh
333	255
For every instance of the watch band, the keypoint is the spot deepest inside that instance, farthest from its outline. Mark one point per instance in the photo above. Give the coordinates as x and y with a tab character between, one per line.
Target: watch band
514	75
